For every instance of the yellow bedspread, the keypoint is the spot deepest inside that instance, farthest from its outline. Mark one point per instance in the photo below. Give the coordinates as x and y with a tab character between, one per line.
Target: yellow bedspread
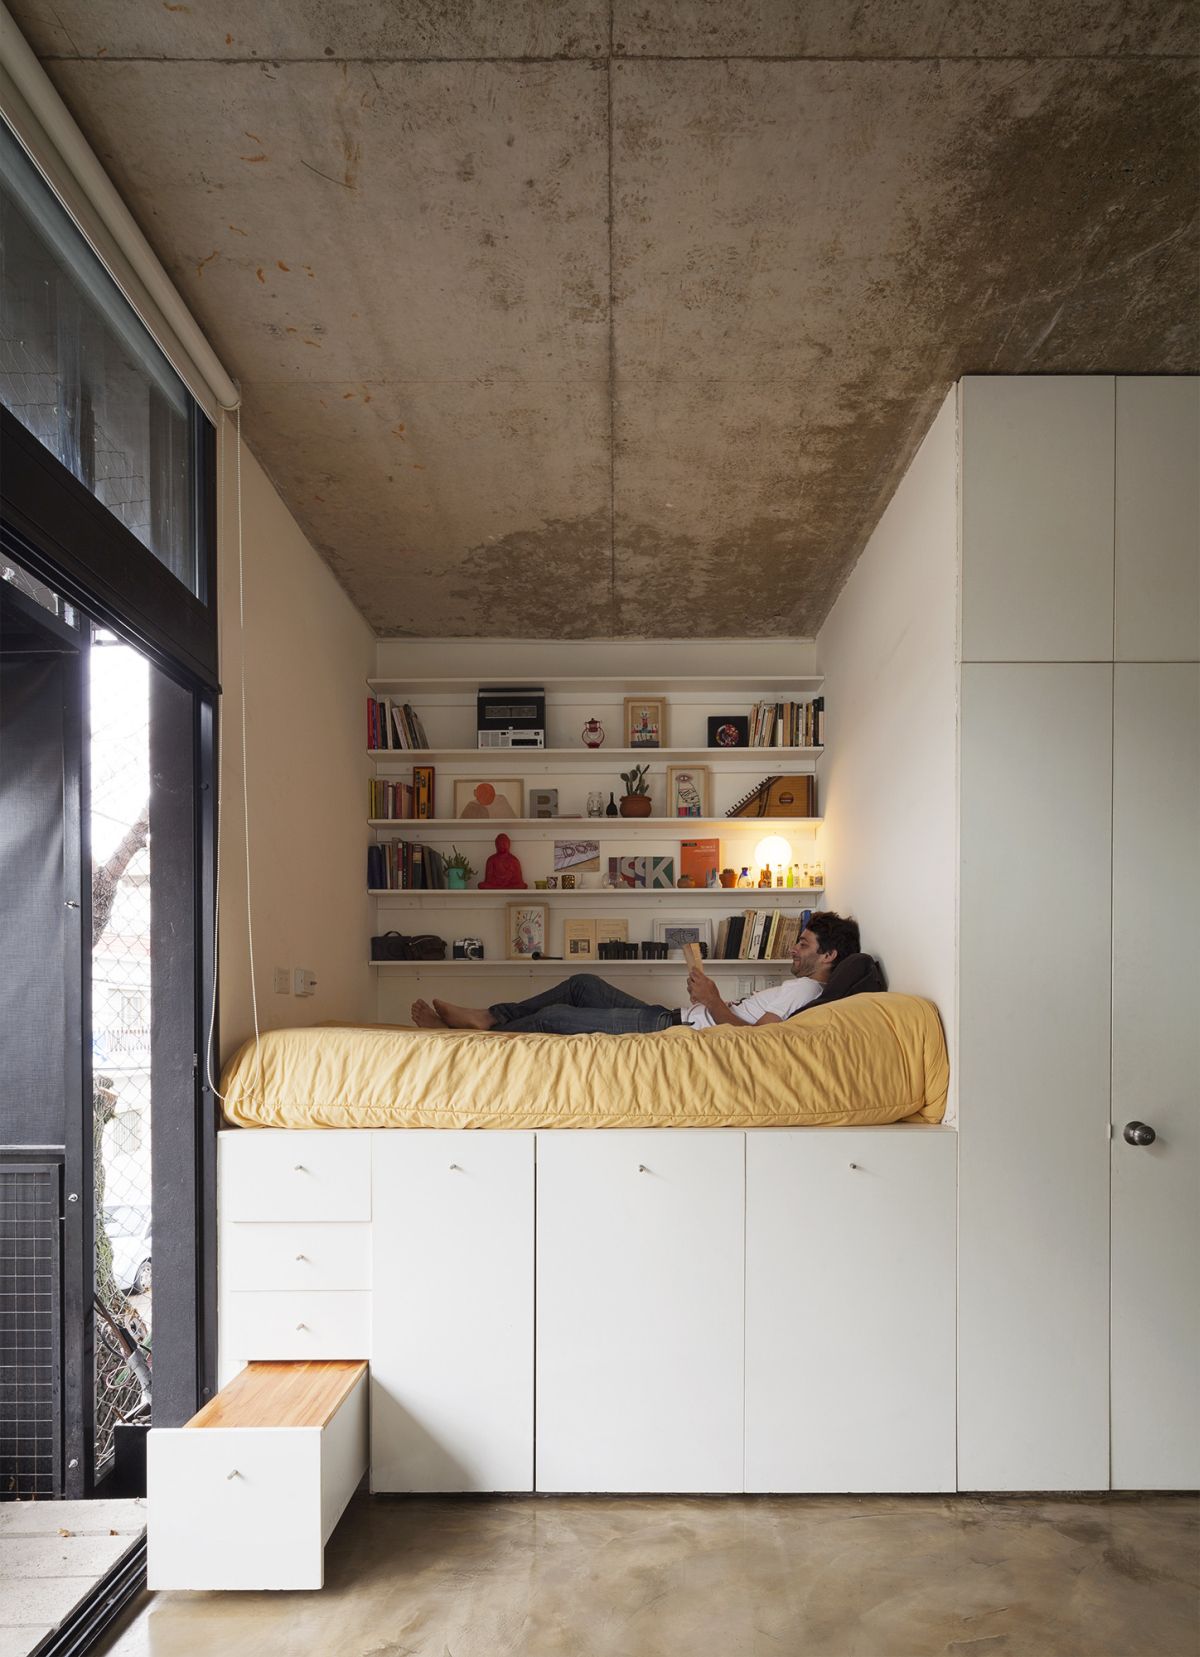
864	1060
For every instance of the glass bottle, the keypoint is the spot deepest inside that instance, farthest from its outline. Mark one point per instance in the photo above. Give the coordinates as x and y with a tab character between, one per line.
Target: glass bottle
791	874
595	804
610	809
744	877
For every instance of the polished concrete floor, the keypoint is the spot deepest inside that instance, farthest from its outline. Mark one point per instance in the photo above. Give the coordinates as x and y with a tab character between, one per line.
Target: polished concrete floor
719	1576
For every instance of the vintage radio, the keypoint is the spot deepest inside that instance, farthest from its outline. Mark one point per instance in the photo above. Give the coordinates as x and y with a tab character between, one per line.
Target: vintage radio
510	708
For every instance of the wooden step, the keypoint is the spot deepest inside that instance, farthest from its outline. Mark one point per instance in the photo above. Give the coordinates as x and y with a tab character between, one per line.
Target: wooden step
297	1394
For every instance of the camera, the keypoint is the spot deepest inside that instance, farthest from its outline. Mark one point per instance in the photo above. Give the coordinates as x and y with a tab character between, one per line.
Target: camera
468	949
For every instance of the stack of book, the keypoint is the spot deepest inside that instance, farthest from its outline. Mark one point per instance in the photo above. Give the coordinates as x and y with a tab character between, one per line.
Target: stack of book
759	935
788	724
396	800
393	725
405	866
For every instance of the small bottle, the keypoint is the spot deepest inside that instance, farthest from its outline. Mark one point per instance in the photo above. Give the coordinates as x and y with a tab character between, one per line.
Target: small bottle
744	877
764	875
806	878
610	809
791	874
818	875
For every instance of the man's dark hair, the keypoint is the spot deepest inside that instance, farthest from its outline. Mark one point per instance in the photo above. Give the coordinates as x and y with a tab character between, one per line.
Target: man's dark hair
833	931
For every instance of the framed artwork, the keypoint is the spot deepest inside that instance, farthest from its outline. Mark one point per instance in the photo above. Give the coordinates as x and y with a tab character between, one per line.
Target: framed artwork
645	722
729	730
579	940
677	932
525	932
687	791
490	797
582	856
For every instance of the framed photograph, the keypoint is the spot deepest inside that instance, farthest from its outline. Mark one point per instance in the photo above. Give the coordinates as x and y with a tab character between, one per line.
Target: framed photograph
580	856
645	722
579	940
676	932
491	797
543	802
687	791
525	932
729	730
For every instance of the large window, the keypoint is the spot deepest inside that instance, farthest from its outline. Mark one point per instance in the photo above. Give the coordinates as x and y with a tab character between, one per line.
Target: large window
80	372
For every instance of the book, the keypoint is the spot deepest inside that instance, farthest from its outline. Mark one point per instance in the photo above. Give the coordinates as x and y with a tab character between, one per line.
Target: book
701	859
422	791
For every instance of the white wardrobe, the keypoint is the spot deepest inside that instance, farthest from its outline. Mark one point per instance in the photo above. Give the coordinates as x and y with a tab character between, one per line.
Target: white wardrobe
1079	934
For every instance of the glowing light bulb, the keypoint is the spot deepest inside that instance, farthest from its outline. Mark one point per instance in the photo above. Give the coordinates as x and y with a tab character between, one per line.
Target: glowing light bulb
772	850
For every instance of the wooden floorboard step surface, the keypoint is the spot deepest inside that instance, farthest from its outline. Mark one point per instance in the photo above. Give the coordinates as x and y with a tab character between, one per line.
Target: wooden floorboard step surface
297	1394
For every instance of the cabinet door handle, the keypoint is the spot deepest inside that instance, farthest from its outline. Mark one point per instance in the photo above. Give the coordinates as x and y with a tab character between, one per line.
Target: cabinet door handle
300	1326
642	1168
299	1168
302	1257
1137	1133
455	1169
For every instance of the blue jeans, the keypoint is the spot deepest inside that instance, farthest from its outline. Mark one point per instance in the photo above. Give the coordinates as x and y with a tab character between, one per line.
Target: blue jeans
581	1005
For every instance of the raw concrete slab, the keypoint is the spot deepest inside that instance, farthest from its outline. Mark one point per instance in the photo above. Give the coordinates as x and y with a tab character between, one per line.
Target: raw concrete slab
601	342
26	1558
851	1576
19	1642
99	1518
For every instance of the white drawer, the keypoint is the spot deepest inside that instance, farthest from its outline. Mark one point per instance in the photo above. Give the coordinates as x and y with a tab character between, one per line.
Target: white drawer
296	1257
284	1325
275	1174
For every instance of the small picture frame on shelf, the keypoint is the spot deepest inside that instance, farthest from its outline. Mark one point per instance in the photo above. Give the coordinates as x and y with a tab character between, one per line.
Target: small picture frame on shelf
675	932
579	940
489	797
525	930
645	722
729	730
582	856
687	791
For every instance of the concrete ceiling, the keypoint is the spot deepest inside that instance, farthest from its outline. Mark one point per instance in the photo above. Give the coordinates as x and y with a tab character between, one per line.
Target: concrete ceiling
583	319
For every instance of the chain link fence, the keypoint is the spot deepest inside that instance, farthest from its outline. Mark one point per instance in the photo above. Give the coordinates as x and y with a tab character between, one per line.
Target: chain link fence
120	777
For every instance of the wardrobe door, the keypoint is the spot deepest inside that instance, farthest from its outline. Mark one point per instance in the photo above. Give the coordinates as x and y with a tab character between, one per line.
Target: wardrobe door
452	1348
1034	1018
1158	519
640	1310
1156	1078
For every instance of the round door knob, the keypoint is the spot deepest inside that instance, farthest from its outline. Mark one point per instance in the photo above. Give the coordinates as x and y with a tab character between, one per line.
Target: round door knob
1137	1133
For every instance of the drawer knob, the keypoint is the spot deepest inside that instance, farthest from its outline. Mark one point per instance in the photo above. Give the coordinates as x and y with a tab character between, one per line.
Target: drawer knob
455	1169
234	1475
299	1168
302	1257
854	1165
300	1326
642	1168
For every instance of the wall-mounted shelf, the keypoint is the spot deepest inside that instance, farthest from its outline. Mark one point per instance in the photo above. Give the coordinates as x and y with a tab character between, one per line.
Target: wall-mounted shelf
777	968
496	758
572	828
753	684
744	896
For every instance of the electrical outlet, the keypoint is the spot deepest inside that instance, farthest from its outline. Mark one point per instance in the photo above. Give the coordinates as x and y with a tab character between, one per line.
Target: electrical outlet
304	981
283	981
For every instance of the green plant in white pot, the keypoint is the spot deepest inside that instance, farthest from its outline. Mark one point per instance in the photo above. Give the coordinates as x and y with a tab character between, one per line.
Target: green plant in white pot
459	870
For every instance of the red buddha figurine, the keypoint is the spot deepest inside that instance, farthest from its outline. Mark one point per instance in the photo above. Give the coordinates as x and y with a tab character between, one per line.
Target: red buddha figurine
503	870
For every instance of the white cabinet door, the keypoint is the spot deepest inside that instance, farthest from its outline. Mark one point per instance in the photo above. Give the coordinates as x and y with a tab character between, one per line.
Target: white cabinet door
452	1352
1156	1078
1037	518
1034	1043
640	1310
1158	519
850	1271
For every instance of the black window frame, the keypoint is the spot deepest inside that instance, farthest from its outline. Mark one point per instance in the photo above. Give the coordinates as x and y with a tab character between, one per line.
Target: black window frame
52	526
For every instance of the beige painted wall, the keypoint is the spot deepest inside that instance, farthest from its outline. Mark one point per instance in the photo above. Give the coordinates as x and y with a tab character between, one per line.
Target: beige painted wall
889	775
307	654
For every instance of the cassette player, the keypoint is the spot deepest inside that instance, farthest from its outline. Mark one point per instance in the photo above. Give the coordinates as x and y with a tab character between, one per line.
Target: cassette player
509	738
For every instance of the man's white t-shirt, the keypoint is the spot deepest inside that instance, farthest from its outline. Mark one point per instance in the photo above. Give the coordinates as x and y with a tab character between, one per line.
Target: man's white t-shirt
782	1000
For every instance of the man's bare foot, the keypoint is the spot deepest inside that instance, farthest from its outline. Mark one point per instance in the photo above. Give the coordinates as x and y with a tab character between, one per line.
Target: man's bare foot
424	1017
463	1018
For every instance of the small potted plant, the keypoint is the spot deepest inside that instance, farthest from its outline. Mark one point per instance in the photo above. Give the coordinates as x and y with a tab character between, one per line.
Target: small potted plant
635	802
459	871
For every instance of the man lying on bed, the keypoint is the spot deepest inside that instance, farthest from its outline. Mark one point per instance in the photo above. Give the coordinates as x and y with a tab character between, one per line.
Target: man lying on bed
585	1003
